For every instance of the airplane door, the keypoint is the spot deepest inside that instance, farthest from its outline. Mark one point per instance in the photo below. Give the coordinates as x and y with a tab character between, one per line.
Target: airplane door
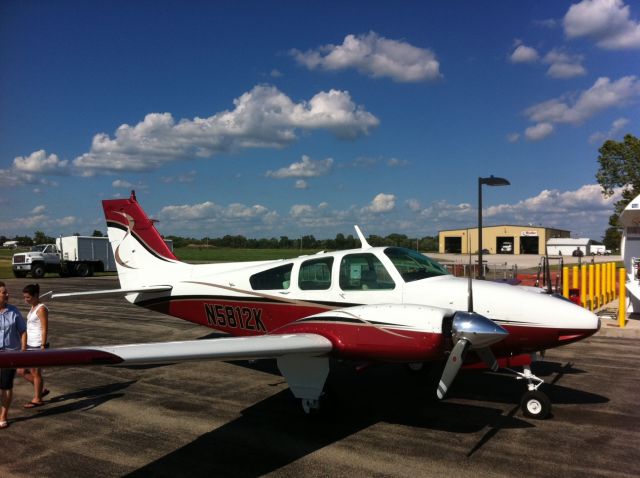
363	279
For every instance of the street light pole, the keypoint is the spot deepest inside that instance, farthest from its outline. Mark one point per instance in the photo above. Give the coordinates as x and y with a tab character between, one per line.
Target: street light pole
490	181
481	270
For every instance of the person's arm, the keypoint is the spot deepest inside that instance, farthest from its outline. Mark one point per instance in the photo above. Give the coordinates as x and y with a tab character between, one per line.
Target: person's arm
43	314
22	330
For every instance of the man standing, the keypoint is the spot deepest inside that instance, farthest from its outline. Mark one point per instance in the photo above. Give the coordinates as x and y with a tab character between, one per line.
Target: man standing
13	336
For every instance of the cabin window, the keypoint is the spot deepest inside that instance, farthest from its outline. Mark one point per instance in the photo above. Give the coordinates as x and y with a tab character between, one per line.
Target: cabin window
412	265
272	279
364	272
315	274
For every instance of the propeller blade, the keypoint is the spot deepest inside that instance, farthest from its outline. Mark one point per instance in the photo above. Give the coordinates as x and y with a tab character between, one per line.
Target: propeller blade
487	357
470	331
454	362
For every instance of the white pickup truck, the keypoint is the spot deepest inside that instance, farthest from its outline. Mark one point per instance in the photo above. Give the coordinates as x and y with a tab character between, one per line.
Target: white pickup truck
69	256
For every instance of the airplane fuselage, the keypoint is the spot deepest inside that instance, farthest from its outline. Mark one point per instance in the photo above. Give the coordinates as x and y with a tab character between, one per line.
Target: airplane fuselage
299	295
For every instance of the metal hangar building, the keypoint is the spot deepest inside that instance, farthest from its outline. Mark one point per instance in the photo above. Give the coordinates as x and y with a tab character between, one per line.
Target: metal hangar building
505	239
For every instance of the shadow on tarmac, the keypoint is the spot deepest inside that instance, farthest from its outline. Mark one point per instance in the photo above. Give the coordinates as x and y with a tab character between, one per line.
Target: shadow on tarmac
275	432
82	400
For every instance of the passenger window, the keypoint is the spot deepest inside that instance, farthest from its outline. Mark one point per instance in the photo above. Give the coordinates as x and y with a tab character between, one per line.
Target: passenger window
315	274
364	272
272	279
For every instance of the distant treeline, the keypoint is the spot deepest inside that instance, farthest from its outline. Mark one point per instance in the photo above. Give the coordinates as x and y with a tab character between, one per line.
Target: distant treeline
427	243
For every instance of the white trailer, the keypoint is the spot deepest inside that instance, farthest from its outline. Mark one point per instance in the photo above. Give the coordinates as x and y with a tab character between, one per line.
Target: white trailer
569	247
84	255
69	256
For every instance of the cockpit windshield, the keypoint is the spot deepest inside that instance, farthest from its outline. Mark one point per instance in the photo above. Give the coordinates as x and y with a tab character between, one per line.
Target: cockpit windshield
412	265
39	248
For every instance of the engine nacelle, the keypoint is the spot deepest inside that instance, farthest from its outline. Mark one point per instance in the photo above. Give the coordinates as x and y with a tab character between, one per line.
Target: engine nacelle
389	332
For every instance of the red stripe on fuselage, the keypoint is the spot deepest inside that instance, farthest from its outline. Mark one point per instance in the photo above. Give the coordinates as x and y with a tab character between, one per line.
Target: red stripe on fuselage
525	339
236	317
352	340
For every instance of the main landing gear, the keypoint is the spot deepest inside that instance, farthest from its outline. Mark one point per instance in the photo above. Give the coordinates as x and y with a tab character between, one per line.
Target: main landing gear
310	406
534	403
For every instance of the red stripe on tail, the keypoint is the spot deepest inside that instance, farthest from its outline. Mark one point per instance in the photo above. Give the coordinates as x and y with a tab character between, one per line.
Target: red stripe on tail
128	214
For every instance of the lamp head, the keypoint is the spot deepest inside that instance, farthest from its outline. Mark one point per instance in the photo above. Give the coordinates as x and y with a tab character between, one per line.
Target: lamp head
493	181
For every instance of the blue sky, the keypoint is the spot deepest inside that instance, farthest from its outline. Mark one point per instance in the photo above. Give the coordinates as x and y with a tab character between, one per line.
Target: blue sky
291	118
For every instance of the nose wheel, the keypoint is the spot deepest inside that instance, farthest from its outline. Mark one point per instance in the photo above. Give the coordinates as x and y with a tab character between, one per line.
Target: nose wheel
534	403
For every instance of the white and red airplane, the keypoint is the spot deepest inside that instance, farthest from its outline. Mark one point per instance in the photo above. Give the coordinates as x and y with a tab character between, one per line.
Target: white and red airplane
373	304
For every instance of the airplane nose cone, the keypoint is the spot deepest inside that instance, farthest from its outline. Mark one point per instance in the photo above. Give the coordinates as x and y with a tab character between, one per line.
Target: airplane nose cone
477	329
579	325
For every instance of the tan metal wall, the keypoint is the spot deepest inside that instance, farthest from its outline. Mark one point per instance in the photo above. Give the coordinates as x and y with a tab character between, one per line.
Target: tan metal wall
490	235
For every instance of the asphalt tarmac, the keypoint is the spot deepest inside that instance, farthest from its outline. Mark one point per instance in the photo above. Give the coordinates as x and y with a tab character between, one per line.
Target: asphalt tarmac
239	419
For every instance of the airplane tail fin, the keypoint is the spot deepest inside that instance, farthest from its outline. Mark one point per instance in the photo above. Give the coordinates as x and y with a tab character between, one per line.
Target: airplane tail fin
142	257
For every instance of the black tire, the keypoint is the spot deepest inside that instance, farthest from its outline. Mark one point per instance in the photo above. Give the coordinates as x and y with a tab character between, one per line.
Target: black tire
535	404
37	271
84	270
19	274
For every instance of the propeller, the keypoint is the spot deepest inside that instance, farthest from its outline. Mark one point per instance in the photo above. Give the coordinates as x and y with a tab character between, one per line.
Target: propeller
470	331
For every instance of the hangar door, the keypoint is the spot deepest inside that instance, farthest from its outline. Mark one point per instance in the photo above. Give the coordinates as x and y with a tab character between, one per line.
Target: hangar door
529	245
504	245
453	245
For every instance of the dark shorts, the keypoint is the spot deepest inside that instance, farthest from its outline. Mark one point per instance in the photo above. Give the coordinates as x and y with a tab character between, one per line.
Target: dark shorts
6	378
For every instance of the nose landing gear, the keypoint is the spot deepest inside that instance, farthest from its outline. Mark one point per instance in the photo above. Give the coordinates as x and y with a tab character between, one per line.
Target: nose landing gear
534	403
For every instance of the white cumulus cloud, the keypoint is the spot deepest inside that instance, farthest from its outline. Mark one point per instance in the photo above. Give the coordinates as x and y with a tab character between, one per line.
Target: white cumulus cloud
39	163
39	209
524	54
538	132
607	22
121	183
307	168
572	109
262	118
617	127
376	56
382	203
564	65
584	211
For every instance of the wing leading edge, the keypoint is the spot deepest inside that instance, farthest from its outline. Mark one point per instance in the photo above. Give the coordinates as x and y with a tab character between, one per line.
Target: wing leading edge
233	348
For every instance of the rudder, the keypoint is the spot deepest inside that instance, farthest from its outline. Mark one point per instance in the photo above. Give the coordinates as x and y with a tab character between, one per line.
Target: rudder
138	248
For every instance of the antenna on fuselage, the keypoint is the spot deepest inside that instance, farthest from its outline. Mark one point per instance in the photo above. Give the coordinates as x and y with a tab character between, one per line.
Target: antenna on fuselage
363	241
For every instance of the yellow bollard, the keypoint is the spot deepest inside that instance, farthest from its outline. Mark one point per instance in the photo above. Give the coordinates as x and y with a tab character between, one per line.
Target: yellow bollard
622	307
605	283
597	290
605	286
591	277
612	281
565	282
583	285
574	277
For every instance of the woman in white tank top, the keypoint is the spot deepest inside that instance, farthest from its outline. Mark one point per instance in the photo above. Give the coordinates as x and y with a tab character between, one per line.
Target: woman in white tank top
37	330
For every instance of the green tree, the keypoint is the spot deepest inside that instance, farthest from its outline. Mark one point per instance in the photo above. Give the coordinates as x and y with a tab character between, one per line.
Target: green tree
619	168
97	233
40	237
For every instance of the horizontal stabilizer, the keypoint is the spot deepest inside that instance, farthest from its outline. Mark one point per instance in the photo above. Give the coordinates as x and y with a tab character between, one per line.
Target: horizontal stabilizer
112	292
233	348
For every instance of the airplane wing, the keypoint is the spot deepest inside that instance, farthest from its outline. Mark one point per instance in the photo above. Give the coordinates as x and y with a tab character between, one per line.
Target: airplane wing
111	292
232	348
